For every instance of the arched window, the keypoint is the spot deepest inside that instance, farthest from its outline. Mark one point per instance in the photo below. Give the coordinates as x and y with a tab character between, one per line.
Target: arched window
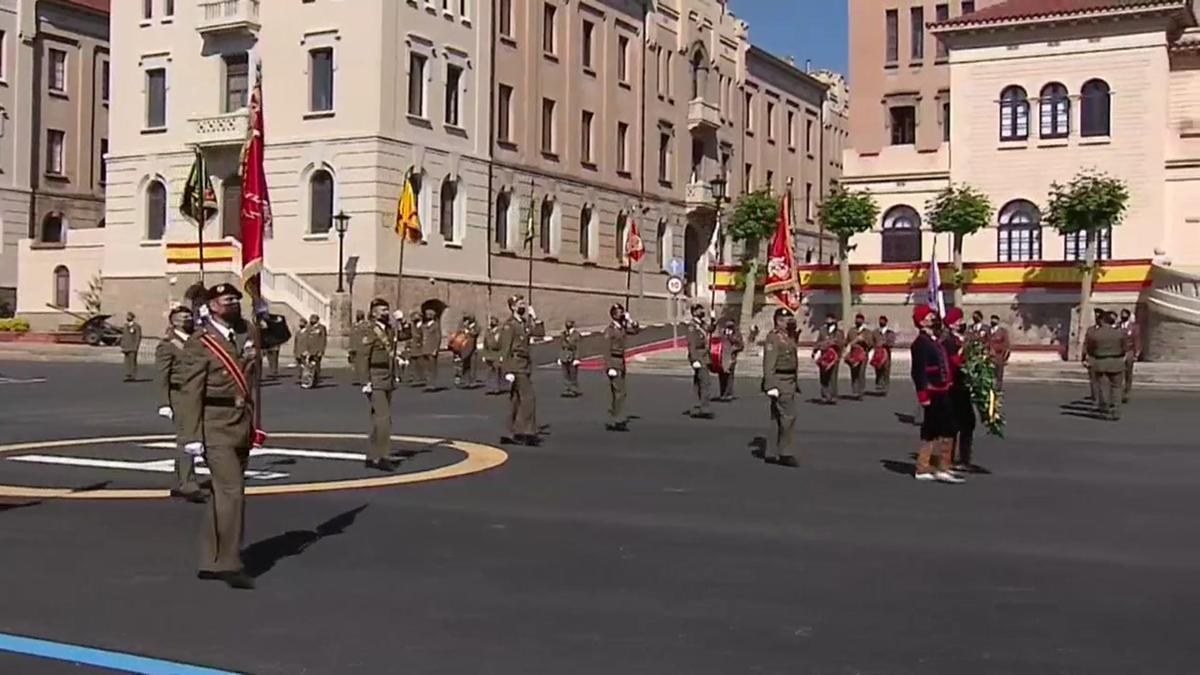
320	202
62	287
1095	112
901	235
156	210
699	68
1054	111
231	207
662	243
585	232
503	203
1075	245
546	226
619	244
449	214
52	229
1014	114
1019	232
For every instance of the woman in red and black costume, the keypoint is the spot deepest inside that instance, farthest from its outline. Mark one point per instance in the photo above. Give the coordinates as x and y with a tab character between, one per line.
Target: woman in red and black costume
932	376
960	394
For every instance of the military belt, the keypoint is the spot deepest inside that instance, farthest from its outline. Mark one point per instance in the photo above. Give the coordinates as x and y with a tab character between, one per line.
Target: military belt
223	401
175	387
785	372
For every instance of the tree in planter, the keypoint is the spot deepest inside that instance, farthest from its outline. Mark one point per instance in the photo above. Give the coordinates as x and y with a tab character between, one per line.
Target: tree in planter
754	218
845	214
92	296
959	211
1091	202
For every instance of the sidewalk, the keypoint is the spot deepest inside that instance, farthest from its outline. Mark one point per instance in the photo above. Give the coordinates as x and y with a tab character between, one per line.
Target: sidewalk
1025	367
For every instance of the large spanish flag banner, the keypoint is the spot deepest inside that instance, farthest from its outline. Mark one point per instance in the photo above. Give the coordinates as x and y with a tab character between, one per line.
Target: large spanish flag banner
256	201
782	283
408	223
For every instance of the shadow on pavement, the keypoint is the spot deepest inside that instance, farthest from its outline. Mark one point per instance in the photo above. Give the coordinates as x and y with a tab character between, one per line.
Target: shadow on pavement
261	556
902	468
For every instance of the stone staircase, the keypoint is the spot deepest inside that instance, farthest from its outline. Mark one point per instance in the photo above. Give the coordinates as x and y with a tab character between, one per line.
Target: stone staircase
1173	324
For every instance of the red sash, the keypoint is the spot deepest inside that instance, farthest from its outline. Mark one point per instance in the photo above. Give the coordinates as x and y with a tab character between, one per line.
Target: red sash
857	354
239	379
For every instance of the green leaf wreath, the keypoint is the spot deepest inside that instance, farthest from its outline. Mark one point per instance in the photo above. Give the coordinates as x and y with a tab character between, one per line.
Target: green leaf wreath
980	372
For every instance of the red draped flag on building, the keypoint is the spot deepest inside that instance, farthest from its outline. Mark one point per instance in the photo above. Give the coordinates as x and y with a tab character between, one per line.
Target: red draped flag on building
256	201
635	248
783	281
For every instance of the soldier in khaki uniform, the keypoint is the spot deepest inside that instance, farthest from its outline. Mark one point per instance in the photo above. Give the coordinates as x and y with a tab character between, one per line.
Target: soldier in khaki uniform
131	341
568	358
1093	382
884	341
491	356
464	360
780	384
430	329
516	364
216	412
700	357
168	361
414	347
1130	326
318	341
621	326
861	341
831	341
732	344
300	346
1106	350
376	368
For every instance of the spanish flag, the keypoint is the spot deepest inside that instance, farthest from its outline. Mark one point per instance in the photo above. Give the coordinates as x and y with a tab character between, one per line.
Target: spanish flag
408	223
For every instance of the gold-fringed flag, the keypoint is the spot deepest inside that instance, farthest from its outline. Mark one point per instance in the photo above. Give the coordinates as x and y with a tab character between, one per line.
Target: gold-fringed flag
199	202
635	248
783	280
408	223
256	201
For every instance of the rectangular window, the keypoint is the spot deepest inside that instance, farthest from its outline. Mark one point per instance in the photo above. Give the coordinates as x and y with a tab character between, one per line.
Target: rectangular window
453	87
946	121
105	76
917	37
1075	245
664	156
904	125
667	88
748	178
943	14
1019	244
589	30
892	54
237	82
156	98
622	147
57	75
810	128
147	9
3	62
103	161
320	74
585	137
504	114
549	39
791	129
770	121
968	6
623	59
464	10
770	181
416	85
809	206
548	126
169	8
748	113
55	146
506	18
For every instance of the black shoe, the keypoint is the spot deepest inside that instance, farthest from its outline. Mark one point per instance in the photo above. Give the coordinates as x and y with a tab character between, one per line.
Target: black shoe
384	464
788	461
238	580
619	426
195	497
759	453
702	416
529	440
206	575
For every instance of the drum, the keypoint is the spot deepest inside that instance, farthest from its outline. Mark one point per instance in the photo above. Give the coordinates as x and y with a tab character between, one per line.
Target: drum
460	343
716	349
308	367
880	357
827	358
856	355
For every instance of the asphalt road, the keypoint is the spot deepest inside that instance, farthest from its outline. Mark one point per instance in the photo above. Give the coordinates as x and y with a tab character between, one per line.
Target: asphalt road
665	550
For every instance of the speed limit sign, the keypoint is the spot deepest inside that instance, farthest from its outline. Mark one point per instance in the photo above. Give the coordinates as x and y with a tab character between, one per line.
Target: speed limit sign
674	285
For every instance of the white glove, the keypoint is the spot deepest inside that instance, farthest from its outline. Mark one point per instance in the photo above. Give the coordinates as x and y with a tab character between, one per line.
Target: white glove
628	318
696	365
194	449
560	362
773	393
510	378
367	389
575	362
612	372
402	362
166	412
532	313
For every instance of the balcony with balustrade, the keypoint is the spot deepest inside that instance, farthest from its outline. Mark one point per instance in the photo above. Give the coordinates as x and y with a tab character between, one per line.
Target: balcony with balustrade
220	130
703	115
228	16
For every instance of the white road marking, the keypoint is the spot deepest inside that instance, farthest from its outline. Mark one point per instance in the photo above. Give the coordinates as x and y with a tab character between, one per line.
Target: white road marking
155	466
282	452
20	380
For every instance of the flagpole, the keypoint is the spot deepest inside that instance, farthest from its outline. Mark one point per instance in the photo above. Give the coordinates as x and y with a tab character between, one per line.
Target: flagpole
403	239
200	216
529	245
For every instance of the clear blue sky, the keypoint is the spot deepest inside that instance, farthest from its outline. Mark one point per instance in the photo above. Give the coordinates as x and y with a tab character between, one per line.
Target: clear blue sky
804	29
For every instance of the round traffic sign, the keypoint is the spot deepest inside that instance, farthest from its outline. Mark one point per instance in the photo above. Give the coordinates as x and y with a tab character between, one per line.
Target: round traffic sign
674	285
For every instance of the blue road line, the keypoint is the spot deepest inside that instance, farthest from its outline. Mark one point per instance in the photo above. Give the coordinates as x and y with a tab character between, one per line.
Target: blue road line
129	663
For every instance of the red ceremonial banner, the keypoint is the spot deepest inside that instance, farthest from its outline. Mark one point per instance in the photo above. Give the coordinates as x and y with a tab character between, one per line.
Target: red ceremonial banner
256	201
783	282
635	249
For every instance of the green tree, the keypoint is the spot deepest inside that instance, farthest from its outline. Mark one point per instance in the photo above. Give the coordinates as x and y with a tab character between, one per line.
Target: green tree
753	219
1091	202
846	213
960	211
92	297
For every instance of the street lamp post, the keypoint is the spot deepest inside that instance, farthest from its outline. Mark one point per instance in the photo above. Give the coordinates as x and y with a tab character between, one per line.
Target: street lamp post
341	222
719	195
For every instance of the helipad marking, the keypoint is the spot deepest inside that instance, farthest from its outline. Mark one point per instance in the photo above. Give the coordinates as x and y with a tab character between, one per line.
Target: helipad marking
102	658
156	466
479	457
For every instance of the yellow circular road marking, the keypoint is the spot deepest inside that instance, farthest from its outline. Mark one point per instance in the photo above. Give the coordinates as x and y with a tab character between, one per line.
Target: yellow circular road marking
479	457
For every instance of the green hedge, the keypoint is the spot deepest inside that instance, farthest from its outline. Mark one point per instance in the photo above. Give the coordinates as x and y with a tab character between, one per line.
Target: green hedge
14	326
